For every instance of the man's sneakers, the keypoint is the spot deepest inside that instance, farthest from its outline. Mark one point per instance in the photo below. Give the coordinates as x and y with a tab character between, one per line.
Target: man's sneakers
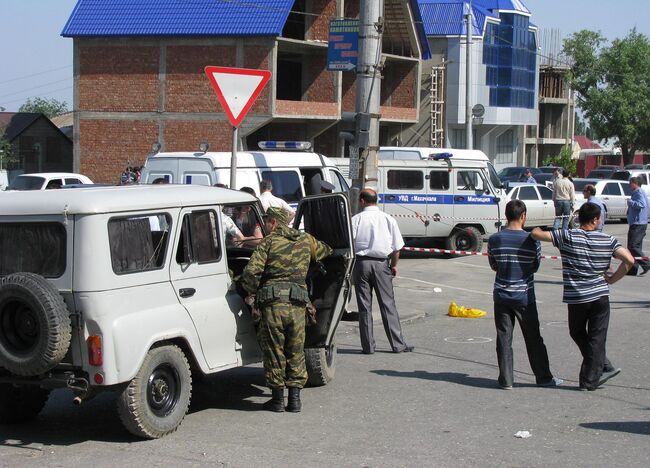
645	270
603	378
554	382
407	349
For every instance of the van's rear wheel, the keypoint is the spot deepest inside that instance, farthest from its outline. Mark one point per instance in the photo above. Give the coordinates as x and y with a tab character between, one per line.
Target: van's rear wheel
155	402
465	238
19	404
321	365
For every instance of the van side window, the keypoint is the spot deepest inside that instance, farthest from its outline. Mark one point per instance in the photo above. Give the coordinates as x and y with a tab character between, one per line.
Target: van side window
469	180
339	182
199	242
439	180
138	243
286	184
405	180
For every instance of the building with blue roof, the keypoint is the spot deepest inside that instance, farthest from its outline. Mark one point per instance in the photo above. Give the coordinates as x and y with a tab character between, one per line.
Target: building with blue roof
504	78
139	75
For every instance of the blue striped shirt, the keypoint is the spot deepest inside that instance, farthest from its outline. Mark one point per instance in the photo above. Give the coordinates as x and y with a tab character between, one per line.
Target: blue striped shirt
515	256
586	256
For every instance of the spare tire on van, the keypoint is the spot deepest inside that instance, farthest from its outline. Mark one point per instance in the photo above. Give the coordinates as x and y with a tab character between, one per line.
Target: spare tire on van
35	327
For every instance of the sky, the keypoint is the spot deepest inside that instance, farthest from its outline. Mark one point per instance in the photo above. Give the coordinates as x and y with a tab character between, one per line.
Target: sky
37	61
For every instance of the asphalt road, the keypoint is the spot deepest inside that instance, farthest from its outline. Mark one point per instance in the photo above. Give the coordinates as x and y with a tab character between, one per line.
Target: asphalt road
438	406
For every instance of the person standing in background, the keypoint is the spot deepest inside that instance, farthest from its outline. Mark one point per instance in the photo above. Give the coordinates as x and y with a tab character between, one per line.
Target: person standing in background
268	199
563	198
637	220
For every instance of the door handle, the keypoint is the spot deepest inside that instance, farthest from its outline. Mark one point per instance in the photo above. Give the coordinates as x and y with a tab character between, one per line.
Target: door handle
605	198
390	197
459	198
186	292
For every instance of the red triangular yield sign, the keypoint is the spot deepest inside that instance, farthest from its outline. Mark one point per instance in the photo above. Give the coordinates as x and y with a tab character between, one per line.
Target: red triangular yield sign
237	89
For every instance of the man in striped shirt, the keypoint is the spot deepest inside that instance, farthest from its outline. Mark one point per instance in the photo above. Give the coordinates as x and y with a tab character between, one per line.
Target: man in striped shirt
515	257
586	255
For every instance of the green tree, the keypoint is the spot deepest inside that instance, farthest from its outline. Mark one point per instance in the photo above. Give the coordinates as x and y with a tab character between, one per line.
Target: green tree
613	86
49	107
7	156
563	160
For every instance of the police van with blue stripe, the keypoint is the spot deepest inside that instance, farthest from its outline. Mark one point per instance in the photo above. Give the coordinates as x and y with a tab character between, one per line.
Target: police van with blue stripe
292	168
439	194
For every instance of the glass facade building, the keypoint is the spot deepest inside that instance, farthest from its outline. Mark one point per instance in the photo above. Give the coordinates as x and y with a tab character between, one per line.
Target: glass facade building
509	54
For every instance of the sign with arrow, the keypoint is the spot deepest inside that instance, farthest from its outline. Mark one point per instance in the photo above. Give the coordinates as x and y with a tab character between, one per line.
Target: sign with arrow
343	45
237	89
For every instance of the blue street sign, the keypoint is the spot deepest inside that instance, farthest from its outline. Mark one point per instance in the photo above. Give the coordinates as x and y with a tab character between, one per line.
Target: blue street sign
343	45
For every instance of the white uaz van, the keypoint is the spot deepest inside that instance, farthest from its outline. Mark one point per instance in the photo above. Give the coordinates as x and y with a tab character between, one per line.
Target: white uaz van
294	172
440	193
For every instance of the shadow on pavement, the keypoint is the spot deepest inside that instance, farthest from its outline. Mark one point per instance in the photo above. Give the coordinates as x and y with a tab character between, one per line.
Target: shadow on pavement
229	390
632	427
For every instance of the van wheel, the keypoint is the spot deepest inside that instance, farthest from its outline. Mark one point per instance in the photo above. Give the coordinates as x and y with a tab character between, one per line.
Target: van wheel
465	238
21	403
155	402
35	325
321	365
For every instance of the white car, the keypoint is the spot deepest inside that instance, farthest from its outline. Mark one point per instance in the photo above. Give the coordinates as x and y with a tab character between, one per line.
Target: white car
613	193
47	180
540	210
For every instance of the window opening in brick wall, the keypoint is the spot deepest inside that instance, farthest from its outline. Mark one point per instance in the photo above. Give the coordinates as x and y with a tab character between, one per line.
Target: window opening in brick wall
295	26
289	82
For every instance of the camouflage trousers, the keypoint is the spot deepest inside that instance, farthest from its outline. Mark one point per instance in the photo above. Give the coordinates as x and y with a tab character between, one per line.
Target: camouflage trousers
281	335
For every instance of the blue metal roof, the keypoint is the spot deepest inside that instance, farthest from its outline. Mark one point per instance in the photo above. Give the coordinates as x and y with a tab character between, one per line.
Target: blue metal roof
447	17
178	18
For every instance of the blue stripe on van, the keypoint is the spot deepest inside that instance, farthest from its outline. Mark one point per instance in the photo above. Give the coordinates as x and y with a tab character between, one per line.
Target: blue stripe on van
433	199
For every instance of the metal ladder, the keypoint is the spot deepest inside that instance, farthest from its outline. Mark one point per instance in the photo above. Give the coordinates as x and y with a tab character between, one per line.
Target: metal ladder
437	99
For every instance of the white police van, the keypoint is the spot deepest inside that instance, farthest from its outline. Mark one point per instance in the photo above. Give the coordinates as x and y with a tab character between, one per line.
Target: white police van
439	193
294	171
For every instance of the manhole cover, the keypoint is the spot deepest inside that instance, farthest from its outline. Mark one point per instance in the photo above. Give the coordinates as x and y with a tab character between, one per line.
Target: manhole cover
469	339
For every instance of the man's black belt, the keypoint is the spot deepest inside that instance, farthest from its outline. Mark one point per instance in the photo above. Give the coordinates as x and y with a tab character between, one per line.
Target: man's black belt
367	257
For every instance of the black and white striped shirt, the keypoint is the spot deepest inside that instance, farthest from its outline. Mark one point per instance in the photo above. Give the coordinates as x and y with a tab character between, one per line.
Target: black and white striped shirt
586	256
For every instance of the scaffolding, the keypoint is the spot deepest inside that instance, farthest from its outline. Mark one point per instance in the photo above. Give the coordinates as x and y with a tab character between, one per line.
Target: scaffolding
437	105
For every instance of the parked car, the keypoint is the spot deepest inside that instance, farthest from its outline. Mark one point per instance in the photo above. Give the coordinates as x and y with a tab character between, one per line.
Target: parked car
550	169
544	178
515	174
637	166
131	290
627	173
47	180
602	172
613	193
540	210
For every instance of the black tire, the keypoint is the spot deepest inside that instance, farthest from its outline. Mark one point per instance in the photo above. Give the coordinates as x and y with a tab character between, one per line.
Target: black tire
155	402
21	403
321	365
465	238
35	325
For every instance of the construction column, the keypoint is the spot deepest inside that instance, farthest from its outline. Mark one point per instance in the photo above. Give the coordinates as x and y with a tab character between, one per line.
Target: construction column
369	88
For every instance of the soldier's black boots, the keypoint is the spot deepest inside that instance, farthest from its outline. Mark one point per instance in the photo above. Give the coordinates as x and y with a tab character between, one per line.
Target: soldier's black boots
293	402
276	403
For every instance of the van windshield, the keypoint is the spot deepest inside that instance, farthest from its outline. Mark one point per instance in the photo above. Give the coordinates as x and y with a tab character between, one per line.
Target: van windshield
286	185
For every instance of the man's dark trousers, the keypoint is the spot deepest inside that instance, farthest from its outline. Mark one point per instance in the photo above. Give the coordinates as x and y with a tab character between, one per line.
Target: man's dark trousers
374	273
504	318
588	325
635	235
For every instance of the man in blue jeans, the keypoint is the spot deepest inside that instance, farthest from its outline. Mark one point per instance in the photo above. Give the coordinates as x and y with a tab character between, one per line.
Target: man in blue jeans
564	197
637	219
515	257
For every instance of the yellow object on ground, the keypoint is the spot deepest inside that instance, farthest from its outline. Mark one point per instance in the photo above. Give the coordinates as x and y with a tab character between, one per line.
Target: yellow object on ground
466	312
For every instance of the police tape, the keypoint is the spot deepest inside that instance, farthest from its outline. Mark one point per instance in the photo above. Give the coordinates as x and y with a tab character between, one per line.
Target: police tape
484	254
437	217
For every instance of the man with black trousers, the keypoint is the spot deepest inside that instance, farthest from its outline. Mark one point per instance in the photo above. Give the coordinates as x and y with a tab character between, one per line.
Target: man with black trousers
515	257
637	220
586	256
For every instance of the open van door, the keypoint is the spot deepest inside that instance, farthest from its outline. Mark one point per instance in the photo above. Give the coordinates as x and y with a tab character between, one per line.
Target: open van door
327	218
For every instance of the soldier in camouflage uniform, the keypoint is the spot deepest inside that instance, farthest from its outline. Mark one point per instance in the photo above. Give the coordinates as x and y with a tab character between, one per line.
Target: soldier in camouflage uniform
276	276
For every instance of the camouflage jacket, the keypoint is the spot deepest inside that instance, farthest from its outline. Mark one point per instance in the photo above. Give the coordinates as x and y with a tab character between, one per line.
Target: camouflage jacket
282	257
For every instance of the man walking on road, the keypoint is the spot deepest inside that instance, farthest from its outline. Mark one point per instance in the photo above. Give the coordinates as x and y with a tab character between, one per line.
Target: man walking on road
637	219
275	281
586	255
377	242
563	198
515	257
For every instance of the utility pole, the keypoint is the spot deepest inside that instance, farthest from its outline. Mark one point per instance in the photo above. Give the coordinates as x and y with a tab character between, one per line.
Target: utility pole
469	142
368	95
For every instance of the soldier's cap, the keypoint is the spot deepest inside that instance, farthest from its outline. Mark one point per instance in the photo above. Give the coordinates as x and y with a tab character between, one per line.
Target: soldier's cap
277	213
327	186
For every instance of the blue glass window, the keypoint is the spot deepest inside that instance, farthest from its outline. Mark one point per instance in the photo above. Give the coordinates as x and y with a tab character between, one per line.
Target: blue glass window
509	51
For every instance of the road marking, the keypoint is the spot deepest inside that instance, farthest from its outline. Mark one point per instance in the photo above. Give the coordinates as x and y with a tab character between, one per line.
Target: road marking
447	286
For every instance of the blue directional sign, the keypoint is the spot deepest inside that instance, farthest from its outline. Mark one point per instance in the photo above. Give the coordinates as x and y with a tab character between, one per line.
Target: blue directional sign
343	45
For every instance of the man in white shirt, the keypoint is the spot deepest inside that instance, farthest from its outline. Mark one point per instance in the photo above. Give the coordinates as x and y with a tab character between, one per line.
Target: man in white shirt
268	199
377	242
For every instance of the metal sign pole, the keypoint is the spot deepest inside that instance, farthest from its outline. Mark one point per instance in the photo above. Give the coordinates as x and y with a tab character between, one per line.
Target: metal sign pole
233	159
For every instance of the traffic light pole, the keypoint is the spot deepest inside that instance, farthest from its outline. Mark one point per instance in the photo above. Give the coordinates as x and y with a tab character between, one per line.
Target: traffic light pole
368	95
